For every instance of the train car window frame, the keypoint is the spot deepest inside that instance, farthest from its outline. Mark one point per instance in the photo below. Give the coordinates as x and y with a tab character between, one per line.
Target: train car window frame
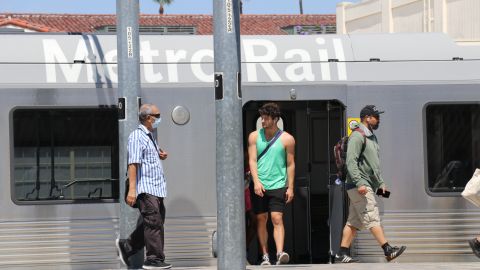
64	155
447	175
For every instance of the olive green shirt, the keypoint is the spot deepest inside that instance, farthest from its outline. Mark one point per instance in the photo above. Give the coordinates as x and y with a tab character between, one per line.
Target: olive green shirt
365	170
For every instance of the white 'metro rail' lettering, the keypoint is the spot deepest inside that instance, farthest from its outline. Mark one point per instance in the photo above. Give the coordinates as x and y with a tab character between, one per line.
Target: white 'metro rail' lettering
264	60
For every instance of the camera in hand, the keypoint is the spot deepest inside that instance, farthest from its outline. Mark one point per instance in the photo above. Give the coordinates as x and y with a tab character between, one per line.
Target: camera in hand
380	193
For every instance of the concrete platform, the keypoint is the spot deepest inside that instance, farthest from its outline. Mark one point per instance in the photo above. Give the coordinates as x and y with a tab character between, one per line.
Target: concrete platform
353	266
358	266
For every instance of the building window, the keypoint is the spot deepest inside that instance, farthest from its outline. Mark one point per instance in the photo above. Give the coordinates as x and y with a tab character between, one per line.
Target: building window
157	29
453	145
310	29
10	30
65	155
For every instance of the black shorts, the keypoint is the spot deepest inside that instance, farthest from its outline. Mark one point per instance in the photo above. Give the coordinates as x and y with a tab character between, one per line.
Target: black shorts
272	201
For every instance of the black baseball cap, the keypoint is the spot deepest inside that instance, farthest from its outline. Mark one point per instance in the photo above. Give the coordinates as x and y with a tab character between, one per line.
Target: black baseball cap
370	110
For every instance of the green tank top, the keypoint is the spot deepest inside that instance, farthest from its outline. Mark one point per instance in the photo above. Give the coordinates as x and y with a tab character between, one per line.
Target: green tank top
272	167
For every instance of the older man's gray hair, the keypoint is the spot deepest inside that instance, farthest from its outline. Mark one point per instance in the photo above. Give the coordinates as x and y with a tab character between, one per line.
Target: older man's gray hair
145	111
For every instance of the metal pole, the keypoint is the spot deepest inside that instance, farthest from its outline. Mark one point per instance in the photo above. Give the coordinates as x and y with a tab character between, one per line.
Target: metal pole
301	6
128	55
229	153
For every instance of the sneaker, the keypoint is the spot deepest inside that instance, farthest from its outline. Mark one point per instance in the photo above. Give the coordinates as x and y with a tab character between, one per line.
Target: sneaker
156	265
265	260
282	258
475	247
121	252
344	259
394	252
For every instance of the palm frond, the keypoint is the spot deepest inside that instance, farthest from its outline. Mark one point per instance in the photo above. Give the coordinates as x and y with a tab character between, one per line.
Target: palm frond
163	2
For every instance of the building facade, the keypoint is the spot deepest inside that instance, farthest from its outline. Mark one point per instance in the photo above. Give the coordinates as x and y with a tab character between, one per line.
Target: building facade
167	24
460	19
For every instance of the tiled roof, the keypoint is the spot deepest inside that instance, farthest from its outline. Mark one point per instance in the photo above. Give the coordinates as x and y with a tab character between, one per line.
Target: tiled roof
26	25
86	23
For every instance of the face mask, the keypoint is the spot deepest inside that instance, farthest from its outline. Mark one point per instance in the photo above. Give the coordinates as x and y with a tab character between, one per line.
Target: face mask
157	122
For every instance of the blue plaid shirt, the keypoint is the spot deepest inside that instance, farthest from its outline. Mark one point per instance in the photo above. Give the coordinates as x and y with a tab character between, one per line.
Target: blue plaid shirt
143	151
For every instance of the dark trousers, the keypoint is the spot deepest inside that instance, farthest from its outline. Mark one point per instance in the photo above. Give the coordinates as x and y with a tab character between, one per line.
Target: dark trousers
150	230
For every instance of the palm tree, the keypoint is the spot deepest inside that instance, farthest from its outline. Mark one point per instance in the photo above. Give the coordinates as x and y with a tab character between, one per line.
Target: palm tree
162	3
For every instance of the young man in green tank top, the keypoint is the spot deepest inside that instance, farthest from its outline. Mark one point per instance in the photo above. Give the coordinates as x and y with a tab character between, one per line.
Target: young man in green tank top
273	174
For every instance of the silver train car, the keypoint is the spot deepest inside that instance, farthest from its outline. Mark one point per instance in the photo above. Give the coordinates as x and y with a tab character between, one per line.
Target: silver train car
59	152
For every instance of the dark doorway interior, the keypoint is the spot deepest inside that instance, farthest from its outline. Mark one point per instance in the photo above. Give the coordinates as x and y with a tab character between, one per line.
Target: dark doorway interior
316	126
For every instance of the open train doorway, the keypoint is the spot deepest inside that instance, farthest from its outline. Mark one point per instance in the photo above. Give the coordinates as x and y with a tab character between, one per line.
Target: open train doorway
316	127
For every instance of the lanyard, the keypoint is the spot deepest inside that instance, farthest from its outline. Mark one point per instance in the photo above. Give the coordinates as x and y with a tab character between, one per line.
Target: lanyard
155	144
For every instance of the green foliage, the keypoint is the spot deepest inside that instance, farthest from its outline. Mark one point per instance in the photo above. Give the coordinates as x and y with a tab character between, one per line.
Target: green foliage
163	2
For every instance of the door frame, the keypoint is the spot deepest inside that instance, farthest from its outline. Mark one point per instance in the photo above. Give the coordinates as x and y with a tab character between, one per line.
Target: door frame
307	106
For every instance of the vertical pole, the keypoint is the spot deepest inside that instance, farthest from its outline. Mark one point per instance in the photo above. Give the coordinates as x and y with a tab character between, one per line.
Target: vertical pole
128	55
341	18
229	148
387	17
440	16
300	2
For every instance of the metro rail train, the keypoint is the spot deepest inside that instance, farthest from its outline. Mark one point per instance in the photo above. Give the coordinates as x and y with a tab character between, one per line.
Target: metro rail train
59	152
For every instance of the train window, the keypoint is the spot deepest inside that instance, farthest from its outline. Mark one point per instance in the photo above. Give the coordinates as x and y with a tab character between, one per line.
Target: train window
453	145
65	155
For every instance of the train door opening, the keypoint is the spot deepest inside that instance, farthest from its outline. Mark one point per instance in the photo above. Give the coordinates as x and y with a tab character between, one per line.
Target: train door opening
316	127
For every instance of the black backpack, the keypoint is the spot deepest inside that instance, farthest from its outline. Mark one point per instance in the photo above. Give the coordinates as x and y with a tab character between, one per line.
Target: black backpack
340	153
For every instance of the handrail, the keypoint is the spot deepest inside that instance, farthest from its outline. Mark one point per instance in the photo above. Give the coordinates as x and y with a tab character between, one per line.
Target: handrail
85	181
94	191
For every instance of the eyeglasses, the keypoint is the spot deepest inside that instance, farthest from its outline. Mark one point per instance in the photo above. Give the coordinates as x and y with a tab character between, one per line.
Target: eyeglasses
157	115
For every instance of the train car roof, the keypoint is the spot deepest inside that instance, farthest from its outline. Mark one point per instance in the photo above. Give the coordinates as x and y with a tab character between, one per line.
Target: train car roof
62	58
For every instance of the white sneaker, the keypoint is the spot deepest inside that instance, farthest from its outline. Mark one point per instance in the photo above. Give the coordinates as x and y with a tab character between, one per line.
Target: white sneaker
265	260
282	258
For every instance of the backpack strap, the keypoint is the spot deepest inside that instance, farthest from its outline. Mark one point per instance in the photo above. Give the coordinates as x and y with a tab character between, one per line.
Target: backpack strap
277	135
364	141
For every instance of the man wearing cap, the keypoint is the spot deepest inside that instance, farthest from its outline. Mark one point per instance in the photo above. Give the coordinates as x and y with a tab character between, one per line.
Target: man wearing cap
363	178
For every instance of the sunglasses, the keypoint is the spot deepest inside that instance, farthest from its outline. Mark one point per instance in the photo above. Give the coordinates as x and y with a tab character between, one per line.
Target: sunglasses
155	115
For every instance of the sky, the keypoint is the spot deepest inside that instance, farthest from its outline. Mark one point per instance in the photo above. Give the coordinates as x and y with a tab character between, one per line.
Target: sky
177	7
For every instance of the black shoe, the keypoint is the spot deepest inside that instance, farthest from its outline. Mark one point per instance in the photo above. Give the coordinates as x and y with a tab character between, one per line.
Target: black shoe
344	259
393	252
475	247
121	252
156	265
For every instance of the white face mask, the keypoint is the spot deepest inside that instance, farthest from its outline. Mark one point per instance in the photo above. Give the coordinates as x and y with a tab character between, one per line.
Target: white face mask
157	122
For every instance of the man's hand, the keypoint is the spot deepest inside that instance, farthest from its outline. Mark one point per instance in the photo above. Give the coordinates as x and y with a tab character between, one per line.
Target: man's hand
259	189
383	188
362	190
131	197
163	154
289	195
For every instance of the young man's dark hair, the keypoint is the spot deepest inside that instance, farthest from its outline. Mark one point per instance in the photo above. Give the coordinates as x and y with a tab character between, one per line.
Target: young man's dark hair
271	109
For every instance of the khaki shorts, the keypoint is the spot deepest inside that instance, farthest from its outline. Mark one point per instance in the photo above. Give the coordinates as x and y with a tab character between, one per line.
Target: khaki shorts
363	210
